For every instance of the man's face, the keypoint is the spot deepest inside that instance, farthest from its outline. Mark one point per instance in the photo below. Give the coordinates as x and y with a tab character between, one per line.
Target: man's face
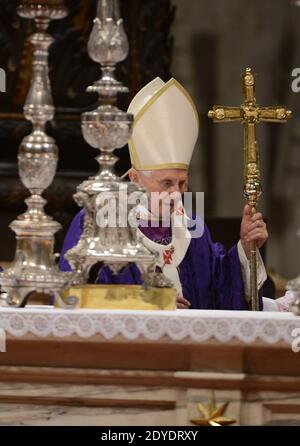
164	187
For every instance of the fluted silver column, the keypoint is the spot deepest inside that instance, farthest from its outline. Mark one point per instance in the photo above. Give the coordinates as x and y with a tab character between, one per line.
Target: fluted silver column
34	268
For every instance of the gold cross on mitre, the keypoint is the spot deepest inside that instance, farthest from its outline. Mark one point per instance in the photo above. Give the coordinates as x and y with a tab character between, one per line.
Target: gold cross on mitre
250	114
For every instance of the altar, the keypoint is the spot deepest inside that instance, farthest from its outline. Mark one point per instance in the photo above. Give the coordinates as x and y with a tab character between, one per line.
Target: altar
96	367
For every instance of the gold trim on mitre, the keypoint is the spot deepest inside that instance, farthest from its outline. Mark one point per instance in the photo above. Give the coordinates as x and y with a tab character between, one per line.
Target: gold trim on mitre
132	148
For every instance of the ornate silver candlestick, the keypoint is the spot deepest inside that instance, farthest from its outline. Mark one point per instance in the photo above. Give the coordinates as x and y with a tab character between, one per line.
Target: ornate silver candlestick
294	285
34	268
108	128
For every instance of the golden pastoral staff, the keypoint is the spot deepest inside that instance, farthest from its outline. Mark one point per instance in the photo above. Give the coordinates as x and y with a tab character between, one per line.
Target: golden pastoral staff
249	113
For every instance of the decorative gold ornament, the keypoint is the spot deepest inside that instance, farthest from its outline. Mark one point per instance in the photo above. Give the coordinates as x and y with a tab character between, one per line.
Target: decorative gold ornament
250	114
212	415
120	297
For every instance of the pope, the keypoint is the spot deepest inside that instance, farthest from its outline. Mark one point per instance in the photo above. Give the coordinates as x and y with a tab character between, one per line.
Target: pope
205	275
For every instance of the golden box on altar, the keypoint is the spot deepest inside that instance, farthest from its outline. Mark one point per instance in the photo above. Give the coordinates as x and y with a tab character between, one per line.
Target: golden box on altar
121	297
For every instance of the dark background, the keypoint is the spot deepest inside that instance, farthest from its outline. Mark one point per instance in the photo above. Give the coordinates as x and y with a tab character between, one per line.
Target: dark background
204	44
148	25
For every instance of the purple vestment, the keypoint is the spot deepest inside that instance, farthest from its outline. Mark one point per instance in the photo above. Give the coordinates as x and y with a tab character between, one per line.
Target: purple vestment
210	276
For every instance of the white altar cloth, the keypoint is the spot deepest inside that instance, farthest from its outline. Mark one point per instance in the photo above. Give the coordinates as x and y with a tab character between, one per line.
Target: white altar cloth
174	326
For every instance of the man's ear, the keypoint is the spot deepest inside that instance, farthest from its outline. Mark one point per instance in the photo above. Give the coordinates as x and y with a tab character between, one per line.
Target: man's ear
133	175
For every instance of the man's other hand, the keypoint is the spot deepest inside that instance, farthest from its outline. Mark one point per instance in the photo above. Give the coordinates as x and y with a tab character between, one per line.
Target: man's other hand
182	302
252	228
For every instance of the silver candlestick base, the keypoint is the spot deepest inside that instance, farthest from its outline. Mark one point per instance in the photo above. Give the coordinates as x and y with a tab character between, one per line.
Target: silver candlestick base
113	245
34	268
294	285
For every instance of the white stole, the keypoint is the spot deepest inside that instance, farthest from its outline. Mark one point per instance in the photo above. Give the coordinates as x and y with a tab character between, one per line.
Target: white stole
170	256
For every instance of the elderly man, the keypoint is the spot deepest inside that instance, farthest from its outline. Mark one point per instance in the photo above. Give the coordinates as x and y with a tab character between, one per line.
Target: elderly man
206	276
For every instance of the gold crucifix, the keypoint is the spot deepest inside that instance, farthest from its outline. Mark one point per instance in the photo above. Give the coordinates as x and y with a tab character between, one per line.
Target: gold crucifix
250	114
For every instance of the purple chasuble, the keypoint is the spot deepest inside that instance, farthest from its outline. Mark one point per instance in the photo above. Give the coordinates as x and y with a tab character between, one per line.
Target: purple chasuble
210	276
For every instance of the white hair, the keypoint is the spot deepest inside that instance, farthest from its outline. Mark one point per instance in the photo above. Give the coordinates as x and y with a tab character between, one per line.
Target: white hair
146	173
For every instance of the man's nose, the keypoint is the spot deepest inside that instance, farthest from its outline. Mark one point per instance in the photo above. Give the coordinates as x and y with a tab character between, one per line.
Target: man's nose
175	188
175	197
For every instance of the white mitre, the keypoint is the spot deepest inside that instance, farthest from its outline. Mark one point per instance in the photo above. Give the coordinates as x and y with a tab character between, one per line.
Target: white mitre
166	126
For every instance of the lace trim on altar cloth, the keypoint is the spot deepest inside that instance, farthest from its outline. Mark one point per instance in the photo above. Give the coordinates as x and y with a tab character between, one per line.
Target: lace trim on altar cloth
176	326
